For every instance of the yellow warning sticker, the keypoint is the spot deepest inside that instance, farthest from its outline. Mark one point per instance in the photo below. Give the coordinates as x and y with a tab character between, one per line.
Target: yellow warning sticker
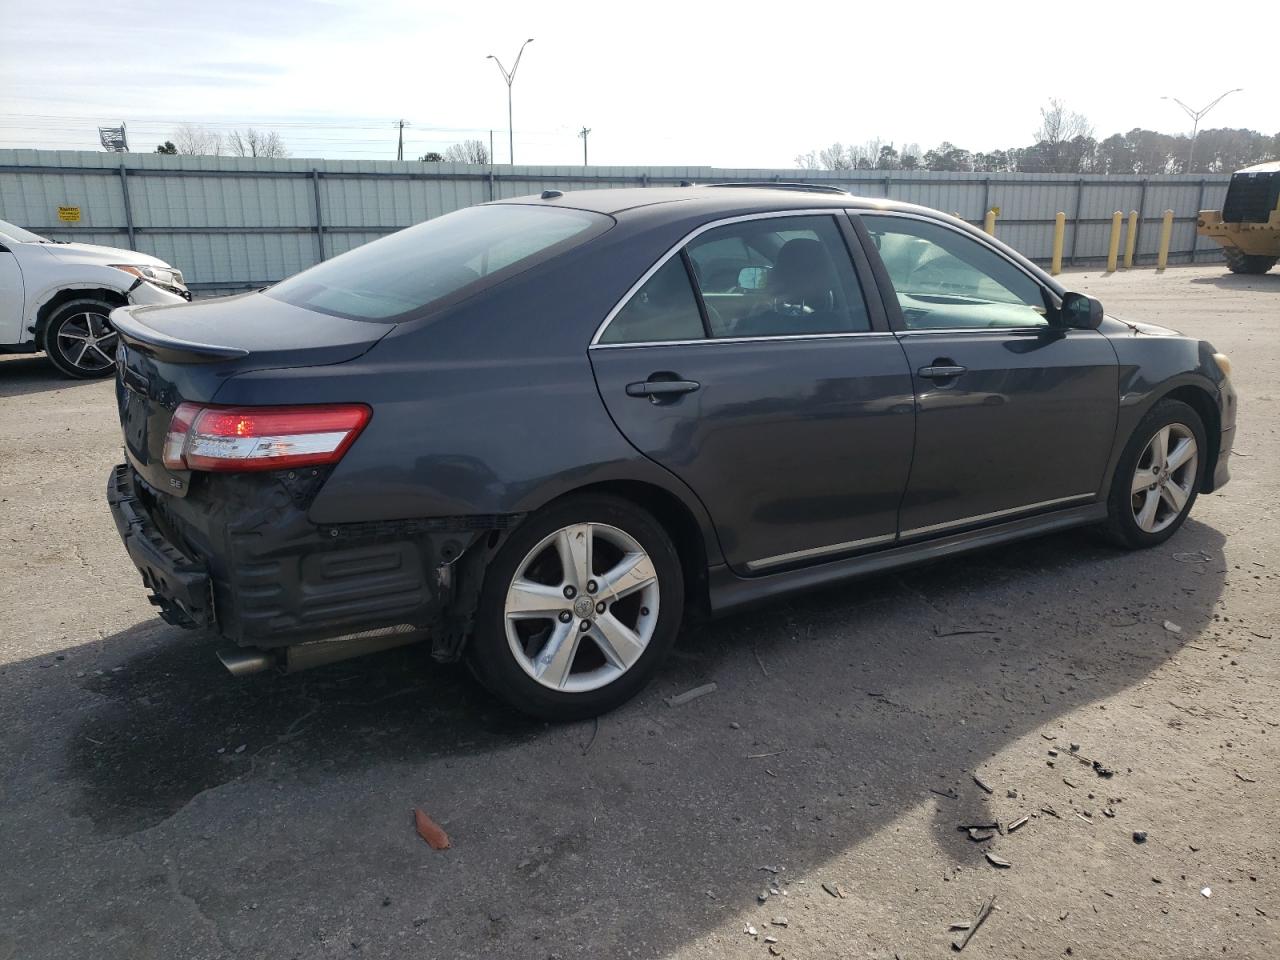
69	214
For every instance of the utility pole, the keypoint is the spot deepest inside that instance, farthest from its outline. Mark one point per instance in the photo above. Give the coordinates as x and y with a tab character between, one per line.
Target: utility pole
1196	116
583	134
510	78
400	146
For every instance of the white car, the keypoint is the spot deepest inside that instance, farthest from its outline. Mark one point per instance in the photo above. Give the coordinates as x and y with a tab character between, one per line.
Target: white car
56	297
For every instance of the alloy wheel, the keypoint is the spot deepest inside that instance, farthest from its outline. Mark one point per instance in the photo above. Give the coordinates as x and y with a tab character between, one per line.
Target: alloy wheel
87	342
1164	478
582	607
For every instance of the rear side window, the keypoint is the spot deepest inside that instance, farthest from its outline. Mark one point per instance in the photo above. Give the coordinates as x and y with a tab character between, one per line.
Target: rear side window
442	260
778	277
665	308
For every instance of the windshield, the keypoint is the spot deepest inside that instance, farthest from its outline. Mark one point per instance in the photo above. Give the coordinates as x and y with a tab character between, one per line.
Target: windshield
445	258
18	235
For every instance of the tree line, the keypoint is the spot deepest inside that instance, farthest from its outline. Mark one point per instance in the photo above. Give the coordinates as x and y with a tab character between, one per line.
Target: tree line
1064	143
195	141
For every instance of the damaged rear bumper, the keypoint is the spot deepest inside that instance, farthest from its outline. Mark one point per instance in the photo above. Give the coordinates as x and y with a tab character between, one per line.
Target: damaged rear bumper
245	560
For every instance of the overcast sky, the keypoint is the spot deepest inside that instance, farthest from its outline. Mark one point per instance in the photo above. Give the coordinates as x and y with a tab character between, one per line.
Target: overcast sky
738	84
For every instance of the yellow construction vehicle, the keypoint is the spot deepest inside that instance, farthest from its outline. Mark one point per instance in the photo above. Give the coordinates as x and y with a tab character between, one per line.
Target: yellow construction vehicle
1248	225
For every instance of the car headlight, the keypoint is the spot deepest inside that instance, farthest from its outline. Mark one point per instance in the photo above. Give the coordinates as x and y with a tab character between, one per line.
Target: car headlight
1223	362
165	276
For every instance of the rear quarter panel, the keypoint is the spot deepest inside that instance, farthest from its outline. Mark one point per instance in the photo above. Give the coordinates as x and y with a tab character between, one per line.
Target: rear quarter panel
488	409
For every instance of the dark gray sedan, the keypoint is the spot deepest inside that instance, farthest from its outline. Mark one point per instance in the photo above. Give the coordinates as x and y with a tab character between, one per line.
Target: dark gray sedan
540	433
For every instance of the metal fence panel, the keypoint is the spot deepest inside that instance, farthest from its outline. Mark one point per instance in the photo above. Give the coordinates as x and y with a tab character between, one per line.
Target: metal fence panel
233	222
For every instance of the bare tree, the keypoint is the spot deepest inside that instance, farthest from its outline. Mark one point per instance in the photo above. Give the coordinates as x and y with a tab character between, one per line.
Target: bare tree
836	157
1059	125
256	143
468	151
195	141
808	161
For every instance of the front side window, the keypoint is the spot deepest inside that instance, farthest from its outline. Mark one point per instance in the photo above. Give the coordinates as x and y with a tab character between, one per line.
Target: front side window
778	276
449	257
946	280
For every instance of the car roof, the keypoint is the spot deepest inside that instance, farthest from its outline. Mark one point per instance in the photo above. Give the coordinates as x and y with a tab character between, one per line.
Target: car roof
717	199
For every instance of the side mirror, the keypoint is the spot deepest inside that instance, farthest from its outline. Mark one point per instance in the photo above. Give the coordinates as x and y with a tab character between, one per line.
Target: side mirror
1080	312
753	278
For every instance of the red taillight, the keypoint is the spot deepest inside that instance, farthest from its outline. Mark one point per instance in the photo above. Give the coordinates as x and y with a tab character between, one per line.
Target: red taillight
261	438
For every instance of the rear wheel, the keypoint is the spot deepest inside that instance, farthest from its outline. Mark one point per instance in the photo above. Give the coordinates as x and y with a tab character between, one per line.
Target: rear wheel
1240	262
1158	477
80	341
578	609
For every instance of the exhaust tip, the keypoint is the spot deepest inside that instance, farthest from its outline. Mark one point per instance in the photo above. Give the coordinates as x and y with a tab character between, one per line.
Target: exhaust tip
241	663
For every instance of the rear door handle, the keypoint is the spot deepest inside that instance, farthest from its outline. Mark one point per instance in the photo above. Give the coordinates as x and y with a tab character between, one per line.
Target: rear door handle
658	390
942	371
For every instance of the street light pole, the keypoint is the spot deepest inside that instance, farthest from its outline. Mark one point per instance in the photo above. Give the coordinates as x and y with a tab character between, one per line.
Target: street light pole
583	133
510	77
1196	116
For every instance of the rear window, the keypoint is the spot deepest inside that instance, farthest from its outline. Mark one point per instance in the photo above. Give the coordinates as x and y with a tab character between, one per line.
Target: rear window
444	259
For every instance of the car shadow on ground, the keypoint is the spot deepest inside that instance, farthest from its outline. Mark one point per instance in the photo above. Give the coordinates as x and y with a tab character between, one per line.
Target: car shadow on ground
1242	281
25	375
836	711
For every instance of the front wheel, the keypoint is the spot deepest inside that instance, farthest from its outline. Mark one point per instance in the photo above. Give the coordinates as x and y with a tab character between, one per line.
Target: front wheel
80	341
1158	477
578	609
1240	262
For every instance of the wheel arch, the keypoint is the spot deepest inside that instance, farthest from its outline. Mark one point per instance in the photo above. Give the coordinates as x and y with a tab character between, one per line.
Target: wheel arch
64	295
677	519
1202	402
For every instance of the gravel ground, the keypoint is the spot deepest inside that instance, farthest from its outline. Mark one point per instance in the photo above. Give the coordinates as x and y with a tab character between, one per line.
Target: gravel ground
151	806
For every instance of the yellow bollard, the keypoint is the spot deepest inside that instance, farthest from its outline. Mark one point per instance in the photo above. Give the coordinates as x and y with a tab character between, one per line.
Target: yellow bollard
1113	250
1131	240
1059	234
989	223
1166	234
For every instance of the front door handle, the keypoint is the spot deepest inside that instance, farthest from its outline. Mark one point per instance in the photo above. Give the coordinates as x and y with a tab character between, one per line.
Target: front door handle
942	371
659	390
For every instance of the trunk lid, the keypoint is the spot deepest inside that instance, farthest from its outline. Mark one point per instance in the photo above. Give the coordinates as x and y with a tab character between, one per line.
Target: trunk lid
171	353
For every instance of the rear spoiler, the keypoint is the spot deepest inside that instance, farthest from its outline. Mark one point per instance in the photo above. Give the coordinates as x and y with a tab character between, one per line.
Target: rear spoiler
151	341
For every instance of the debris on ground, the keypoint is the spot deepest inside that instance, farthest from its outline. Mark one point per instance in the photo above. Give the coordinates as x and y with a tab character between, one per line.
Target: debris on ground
1139	836
1051	812
779	921
1017	823
963	632
750	931
1242	778
979	781
1195	556
980	835
961	924
949	793
762	896
430	831
997	861
680	699
1206	892
1172	627
834	889
984	911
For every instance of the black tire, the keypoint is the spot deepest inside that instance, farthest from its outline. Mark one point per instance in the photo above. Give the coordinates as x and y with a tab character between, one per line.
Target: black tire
1122	526
1240	262
491	654
65	344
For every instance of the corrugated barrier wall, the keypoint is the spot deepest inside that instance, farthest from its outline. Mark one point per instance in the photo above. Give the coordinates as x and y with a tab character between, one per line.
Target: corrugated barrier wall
230	222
